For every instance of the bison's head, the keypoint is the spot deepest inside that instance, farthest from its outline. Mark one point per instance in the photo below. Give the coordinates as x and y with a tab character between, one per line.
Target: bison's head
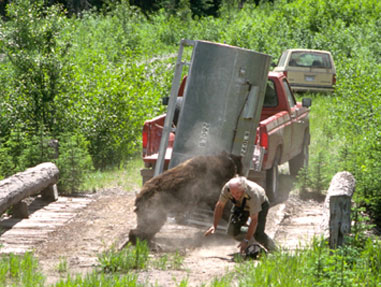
151	216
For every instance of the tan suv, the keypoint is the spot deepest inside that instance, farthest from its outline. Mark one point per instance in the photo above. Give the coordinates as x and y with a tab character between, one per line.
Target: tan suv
308	70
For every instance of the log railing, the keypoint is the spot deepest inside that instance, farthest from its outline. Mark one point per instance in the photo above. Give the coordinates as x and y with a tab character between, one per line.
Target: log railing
338	208
39	179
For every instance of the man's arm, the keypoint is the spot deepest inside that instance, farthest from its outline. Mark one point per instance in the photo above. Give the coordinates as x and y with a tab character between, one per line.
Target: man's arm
218	210
250	232
252	226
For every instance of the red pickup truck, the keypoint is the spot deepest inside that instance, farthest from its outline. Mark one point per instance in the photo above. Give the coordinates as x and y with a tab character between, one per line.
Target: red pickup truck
282	135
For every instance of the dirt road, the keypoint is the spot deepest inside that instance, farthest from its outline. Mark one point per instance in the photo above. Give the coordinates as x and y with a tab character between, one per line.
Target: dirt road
107	217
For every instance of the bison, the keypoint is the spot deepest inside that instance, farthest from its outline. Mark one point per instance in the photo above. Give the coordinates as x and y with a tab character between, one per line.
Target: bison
178	190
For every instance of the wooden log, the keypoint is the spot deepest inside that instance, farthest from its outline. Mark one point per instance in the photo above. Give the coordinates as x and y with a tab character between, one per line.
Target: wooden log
338	207
27	183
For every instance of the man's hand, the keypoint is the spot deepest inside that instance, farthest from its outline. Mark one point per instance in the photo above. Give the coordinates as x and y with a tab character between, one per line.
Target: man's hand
211	230
217	216
242	246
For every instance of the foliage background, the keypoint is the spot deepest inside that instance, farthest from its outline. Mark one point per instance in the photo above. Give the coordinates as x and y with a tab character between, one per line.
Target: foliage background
90	77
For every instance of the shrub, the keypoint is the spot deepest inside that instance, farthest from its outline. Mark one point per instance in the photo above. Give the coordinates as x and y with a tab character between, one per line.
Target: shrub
25	149
359	122
73	161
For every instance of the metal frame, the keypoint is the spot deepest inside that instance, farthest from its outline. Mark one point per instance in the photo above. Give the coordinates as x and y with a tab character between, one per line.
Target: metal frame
171	106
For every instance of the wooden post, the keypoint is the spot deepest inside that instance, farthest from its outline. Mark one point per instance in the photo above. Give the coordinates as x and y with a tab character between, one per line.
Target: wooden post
20	210
34	180
50	193
338	207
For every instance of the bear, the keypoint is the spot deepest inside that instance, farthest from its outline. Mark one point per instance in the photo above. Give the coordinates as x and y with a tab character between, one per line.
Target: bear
196	181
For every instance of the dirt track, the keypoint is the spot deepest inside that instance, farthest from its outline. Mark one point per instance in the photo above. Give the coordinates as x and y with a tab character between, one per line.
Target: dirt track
107	219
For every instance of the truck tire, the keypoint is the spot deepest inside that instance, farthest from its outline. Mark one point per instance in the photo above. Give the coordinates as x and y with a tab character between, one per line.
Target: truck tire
272	179
301	160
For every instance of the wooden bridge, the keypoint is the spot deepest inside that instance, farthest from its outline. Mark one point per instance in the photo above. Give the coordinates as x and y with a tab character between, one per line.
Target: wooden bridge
21	235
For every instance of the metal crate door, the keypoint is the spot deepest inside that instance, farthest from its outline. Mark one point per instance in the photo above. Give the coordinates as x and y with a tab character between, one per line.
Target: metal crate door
222	102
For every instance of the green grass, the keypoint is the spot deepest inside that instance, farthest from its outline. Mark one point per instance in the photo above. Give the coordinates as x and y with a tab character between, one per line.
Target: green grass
96	279
20	271
129	258
356	264
138	258
315	266
62	266
127	177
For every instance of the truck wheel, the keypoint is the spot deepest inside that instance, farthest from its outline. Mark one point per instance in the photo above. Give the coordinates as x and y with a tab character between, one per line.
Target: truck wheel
301	160
272	179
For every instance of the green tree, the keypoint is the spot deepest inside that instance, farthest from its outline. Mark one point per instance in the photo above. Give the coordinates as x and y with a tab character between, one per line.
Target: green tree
73	162
30	43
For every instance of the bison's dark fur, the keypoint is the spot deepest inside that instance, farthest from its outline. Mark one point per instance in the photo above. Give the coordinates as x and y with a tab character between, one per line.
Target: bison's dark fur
196	181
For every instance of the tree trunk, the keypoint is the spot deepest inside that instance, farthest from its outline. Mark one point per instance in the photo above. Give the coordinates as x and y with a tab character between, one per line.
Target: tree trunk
30	182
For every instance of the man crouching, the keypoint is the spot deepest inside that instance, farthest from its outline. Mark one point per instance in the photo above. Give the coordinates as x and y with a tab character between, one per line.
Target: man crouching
249	200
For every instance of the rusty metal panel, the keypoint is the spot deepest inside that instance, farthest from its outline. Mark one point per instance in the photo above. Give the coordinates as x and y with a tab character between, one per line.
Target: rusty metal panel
222	102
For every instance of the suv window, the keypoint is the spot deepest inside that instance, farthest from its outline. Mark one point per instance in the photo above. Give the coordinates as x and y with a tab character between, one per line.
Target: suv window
271	98
290	97
310	59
